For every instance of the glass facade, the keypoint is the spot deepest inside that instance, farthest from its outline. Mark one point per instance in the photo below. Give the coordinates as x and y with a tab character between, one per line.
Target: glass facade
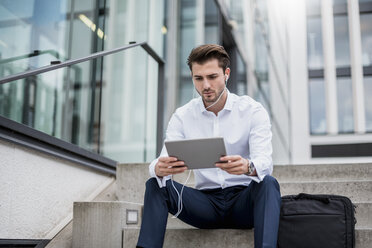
342	47
345	105
366	31
368	102
315	58
261	31
318	121
187	41
365	7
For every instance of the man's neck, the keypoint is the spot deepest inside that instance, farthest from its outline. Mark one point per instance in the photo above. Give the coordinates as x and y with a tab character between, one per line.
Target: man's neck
219	105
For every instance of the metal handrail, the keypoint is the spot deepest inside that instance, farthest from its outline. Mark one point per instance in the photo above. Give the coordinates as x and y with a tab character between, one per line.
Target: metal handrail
67	63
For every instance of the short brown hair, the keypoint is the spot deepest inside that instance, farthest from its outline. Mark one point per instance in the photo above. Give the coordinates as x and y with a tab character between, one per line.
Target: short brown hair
203	53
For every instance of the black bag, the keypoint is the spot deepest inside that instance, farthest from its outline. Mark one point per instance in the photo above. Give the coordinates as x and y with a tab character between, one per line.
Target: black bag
316	221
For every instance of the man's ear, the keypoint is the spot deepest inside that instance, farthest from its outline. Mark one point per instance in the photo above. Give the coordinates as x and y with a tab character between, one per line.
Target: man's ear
227	73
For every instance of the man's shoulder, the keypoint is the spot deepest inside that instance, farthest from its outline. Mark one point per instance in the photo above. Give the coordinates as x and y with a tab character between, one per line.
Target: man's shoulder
188	108
246	103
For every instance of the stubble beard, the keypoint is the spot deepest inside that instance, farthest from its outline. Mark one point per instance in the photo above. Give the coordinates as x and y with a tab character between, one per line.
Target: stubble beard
210	100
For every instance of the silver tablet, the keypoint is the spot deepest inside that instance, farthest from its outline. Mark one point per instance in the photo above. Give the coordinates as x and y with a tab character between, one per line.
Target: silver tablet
197	153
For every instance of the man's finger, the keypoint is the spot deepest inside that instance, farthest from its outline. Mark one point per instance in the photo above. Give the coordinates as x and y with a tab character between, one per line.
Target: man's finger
167	159
173	170
237	171
228	165
230	158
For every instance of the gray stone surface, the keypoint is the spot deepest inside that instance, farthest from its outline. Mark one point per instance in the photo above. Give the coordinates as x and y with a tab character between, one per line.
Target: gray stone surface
191	238
364	215
358	191
313	172
232	238
363	238
130	182
100	224
323	172
64	238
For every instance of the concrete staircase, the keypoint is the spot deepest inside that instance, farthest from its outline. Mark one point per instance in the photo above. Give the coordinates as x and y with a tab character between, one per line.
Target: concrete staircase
106	224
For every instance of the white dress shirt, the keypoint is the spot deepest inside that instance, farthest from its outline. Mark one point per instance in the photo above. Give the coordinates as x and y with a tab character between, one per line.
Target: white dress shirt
245	126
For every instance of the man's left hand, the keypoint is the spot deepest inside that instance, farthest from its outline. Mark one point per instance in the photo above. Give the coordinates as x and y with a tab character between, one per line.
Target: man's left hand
235	165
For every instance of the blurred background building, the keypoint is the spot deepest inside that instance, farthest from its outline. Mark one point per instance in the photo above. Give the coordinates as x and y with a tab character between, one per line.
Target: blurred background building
309	62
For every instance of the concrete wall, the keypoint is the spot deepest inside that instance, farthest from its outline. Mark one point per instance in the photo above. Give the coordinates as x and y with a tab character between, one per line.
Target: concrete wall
37	192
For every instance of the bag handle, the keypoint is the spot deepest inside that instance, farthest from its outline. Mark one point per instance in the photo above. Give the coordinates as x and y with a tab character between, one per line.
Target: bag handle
323	199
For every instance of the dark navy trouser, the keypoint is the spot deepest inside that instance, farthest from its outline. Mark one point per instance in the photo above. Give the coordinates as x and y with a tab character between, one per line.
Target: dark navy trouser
238	207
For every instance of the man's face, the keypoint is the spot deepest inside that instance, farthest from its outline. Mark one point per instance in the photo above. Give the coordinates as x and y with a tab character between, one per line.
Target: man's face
209	80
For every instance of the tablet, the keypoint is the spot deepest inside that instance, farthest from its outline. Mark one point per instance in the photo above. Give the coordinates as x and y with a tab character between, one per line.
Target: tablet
197	153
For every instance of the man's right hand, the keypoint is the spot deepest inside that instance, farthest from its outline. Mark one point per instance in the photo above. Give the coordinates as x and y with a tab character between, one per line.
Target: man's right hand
169	166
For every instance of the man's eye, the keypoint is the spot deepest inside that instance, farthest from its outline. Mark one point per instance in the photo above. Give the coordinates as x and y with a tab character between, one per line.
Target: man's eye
198	79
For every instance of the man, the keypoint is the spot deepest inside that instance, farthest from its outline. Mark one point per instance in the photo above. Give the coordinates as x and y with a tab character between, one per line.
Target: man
239	193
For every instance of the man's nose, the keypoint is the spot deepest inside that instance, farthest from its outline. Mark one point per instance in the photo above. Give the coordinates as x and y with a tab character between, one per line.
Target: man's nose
206	84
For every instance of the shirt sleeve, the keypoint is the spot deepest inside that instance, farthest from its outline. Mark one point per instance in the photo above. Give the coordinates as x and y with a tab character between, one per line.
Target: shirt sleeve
174	132
260	143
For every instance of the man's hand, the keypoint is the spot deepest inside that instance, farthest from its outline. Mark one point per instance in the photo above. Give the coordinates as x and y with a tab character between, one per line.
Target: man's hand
235	164
169	166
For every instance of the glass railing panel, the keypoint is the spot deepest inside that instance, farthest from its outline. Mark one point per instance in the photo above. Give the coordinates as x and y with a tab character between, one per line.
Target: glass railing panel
58	30
129	106
28	26
36	101
107	105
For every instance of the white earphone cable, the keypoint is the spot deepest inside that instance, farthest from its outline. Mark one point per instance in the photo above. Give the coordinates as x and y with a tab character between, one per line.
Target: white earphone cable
179	194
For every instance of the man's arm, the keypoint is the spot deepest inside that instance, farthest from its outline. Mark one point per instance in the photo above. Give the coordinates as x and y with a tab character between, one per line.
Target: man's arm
164	166
260	149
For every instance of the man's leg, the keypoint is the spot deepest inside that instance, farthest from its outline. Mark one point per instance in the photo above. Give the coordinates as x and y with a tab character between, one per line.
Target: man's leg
199	210
259	202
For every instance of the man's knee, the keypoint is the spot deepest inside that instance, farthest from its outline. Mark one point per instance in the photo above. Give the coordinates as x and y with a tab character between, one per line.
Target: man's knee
270	181
151	182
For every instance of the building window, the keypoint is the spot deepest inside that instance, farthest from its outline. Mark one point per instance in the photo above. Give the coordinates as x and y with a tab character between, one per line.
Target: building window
345	105
318	121
341	27
366	32
365	8
315	60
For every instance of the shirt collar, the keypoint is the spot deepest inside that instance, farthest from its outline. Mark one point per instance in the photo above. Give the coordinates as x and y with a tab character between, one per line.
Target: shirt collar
228	104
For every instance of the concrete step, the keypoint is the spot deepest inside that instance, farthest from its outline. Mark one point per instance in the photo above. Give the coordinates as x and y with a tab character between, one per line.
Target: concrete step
363	214
220	238
131	188
351	180
357	191
323	172
100	224
313	172
130	182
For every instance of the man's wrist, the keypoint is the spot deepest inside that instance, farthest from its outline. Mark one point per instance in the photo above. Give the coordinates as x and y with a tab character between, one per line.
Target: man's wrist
251	168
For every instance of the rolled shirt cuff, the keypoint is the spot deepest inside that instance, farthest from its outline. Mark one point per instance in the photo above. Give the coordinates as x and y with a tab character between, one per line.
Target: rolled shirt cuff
261	173
161	180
